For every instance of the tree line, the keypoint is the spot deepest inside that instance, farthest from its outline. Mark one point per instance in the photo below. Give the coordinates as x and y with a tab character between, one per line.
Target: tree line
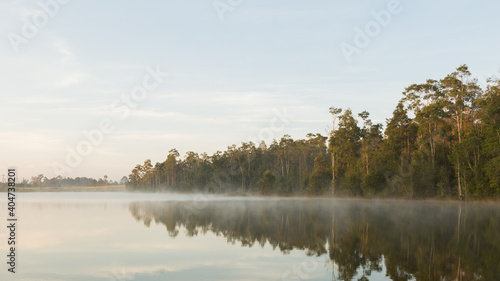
443	140
59	181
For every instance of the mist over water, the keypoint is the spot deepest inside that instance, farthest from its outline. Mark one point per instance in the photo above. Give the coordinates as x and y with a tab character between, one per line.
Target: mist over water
123	236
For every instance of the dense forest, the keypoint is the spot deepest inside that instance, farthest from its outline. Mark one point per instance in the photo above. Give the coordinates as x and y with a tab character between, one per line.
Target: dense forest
360	237
442	141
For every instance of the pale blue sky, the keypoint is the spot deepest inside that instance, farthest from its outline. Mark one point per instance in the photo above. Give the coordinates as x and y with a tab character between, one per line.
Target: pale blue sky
227	77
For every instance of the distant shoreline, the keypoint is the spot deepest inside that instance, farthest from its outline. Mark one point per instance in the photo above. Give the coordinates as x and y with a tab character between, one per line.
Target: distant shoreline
104	188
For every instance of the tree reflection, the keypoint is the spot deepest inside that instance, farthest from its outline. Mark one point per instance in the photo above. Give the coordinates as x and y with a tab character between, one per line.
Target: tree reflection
425	241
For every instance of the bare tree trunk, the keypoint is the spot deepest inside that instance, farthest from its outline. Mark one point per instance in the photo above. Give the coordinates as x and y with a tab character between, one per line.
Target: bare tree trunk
367	164
334	111
458	176
333	171
432	144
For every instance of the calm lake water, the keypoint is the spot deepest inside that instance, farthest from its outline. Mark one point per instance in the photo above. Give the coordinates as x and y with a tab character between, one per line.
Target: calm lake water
124	236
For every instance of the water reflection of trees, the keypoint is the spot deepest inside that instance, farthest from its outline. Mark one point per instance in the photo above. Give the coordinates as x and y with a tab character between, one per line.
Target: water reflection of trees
427	241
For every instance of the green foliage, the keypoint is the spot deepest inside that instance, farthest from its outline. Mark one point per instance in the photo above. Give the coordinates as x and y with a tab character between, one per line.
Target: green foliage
267	182
320	177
